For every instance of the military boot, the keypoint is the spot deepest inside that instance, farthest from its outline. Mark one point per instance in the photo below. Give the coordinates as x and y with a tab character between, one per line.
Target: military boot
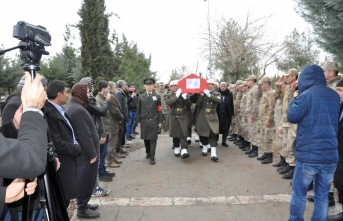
184	153
214	156
233	138
331	199
289	174
338	217
264	156
254	153
246	143
249	151
268	159
279	163
285	169
246	147
177	151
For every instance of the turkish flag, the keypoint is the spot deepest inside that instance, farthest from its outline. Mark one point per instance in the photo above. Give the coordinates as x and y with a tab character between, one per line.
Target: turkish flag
192	84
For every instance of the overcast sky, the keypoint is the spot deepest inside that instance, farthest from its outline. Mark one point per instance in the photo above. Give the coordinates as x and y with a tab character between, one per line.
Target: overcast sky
170	30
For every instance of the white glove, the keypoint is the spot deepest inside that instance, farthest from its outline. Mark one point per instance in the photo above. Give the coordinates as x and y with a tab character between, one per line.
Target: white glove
178	92
184	96
207	92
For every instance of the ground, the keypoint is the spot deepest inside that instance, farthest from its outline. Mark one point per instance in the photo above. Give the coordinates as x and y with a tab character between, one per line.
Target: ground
235	188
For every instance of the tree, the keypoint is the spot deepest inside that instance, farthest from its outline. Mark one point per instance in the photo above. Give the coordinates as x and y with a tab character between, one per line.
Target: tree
326	18
10	72
299	52
245	47
96	55
178	73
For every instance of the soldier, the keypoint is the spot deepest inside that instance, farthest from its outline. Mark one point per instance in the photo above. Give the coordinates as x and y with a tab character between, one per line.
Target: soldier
285	127
267	120
165	109
209	128
149	118
331	74
251	112
277	120
237	97
241	116
178	118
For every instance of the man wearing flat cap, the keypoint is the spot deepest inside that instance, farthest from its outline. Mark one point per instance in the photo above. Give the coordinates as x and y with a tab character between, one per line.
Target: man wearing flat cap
331	74
266	115
149	118
208	129
179	105
165	108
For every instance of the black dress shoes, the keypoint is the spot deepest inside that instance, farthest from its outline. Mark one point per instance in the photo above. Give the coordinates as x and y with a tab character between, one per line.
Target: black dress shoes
152	161
88	214
147	156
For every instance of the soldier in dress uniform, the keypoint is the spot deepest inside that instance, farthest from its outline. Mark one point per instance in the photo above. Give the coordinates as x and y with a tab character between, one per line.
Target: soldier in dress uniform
149	118
266	113
208	129
178	118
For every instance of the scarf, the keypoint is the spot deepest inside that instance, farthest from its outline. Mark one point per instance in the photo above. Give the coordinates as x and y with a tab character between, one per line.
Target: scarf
79	93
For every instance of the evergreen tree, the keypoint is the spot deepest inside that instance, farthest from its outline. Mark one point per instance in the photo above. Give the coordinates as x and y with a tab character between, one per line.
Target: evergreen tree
96	55
326	17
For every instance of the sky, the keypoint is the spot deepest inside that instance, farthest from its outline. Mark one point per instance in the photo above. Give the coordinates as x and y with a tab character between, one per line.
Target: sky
172	31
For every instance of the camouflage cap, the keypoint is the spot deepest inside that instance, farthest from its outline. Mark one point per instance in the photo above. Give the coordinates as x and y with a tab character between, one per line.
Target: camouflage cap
291	71
239	82
244	83
232	85
161	83
264	79
251	77
332	66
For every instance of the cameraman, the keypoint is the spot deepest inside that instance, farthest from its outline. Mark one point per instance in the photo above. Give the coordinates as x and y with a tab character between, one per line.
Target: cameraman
29	148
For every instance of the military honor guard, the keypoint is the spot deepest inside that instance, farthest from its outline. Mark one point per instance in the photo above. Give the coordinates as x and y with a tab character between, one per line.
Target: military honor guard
149	118
207	123
178	119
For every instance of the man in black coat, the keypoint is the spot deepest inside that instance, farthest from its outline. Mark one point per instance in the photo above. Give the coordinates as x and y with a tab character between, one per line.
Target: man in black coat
149	118
88	138
338	177
63	138
225	112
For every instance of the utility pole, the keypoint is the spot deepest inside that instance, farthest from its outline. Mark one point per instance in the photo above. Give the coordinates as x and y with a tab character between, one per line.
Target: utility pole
209	39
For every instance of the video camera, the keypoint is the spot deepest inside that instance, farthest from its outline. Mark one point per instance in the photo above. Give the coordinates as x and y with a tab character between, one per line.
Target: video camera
33	40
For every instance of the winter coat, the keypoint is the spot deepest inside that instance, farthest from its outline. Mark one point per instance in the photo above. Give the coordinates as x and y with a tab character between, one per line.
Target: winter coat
227	102
132	102
67	151
316	111
85	132
121	96
179	114
206	109
105	120
97	112
149	115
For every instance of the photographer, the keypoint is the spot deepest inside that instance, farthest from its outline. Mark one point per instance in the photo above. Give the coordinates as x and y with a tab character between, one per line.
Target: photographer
29	148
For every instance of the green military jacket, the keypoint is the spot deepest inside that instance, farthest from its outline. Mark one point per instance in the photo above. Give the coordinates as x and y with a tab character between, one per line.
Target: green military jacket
178	115
207	118
165	107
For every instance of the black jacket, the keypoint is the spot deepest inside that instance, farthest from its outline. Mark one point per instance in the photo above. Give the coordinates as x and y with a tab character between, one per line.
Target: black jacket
121	96
227	105
85	132
67	151
97	112
338	177
132	102
29	149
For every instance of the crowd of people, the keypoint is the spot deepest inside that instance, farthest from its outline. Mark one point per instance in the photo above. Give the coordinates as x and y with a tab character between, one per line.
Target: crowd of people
295	127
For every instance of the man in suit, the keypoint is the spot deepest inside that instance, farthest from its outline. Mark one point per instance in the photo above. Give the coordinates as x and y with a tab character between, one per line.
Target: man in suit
149	118
338	177
208	129
63	138
178	118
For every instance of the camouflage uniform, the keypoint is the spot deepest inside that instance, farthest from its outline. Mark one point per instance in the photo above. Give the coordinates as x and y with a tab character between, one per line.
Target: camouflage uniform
237	95
267	117
243	126
278	136
251	110
332	82
165	109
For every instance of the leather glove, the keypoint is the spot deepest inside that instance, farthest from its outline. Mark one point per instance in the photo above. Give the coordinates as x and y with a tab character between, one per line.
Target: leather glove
178	92
207	92
184	96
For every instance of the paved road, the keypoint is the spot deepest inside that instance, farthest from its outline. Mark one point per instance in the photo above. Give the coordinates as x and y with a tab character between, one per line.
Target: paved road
235	188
